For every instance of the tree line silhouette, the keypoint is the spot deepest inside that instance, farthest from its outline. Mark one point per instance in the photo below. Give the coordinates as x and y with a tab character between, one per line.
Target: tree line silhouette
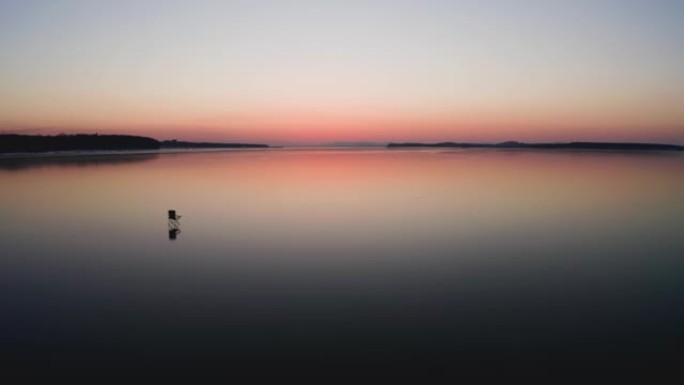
84	142
12	143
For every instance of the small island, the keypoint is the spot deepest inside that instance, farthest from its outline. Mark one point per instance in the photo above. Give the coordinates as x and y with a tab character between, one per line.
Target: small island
614	146
15	143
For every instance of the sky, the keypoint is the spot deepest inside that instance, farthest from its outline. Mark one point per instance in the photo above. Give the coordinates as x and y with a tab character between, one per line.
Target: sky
297	71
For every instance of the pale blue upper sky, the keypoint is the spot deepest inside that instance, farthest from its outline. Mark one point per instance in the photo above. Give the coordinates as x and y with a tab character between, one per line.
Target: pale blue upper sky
346	69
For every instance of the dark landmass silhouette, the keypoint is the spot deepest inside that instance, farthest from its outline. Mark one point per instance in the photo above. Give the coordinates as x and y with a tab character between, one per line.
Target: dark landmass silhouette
15	143
181	144
83	142
616	146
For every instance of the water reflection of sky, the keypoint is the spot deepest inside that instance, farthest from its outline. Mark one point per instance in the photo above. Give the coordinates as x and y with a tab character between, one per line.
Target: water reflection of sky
347	253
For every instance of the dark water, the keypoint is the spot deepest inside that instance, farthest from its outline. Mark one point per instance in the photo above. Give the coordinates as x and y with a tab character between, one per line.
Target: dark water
343	260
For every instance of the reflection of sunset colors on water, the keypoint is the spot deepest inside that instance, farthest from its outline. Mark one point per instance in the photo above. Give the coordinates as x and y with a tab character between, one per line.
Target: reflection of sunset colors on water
286	191
342	201
399	258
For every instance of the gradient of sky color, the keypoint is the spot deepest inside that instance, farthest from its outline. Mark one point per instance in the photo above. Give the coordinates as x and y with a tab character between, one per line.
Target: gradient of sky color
296	71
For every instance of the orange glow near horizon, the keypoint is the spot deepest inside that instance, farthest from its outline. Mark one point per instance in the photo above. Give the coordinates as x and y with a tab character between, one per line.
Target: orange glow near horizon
316	127
320	72
314	133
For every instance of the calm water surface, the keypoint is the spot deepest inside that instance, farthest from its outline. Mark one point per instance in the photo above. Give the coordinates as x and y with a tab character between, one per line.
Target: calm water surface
369	259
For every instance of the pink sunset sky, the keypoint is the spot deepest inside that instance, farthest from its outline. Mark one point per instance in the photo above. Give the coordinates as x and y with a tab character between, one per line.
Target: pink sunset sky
306	72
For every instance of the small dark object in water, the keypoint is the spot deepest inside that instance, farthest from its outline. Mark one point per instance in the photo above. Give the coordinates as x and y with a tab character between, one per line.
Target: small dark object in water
174	224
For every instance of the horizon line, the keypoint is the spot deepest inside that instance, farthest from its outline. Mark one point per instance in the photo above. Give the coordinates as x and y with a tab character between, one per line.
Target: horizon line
352	143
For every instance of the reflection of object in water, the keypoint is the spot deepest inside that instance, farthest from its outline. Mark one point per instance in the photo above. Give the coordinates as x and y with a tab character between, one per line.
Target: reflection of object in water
173	233
174	225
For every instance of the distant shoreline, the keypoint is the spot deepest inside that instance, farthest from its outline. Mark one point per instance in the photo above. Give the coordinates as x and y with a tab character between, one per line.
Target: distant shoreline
79	143
609	146
14	146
